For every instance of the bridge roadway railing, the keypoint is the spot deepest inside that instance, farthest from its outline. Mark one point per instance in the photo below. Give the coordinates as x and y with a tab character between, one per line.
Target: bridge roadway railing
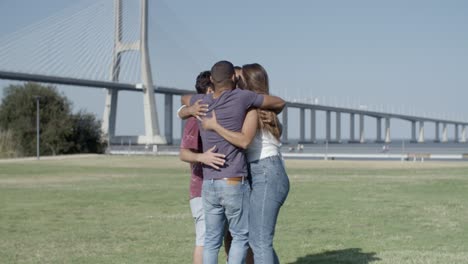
170	92
375	114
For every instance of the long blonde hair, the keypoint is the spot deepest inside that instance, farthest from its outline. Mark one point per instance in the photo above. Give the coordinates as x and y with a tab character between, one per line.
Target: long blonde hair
256	80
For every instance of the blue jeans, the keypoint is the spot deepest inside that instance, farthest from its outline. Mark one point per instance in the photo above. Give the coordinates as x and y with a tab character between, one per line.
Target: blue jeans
270	187
223	201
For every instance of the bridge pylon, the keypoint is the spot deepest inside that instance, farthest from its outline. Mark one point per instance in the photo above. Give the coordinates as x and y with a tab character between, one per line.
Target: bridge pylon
152	135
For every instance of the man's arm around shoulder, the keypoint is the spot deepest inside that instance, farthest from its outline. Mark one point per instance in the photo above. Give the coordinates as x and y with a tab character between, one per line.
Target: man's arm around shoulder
273	103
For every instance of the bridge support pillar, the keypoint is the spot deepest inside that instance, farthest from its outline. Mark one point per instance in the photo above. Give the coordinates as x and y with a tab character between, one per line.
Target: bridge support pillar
152	135
387	130
378	137
361	129
302	125
463	134
437	132
413	131
168	116
313	122
328	126
444	133
338	127
421	132
457	137
352	128
110	114
285	125
149	103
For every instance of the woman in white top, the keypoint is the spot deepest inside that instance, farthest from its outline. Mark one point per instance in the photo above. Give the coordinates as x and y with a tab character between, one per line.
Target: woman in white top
270	183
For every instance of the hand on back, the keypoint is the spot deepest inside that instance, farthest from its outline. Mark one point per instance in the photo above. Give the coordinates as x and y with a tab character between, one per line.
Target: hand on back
209	123
212	159
198	109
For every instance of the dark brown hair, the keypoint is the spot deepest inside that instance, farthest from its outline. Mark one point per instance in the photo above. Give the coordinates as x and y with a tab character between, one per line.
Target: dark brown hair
256	80
203	82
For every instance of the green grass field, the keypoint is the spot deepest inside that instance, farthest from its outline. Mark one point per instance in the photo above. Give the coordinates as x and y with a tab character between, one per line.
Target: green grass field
135	210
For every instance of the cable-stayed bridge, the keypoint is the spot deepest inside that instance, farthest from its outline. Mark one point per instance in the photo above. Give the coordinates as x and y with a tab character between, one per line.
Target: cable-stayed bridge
104	44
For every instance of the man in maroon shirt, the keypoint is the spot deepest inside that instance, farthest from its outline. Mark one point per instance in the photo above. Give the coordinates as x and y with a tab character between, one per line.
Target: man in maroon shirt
191	151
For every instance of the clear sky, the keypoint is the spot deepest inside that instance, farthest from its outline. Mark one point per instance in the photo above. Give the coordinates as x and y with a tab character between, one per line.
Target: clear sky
394	55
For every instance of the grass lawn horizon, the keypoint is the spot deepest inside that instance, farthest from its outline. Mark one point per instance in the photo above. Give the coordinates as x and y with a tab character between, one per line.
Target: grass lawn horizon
126	209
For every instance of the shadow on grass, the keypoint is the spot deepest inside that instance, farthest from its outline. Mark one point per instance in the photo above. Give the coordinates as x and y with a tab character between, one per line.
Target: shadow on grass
343	256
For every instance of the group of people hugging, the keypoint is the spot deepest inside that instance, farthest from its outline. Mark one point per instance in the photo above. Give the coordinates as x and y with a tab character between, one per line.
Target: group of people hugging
238	180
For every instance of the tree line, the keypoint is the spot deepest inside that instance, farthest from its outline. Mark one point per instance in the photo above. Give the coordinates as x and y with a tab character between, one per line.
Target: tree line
61	130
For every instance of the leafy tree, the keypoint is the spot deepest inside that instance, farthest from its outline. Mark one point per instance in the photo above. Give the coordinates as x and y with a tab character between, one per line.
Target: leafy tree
86	134
18	115
60	130
7	145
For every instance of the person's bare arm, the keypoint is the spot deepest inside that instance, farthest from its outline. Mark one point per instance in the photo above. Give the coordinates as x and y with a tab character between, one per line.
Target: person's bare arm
239	139
197	109
185	99
273	103
183	112
209	157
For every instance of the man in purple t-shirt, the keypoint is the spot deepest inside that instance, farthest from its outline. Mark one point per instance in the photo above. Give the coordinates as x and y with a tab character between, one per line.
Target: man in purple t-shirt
225	191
